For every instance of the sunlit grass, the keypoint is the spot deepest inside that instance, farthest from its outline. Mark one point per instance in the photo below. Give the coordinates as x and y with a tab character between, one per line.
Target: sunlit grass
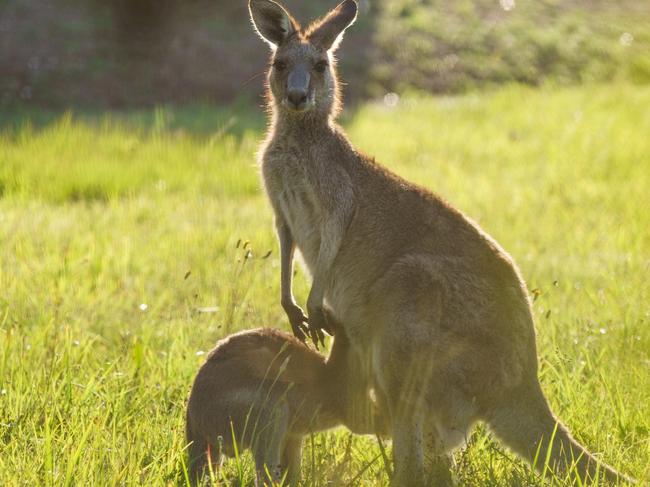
115	231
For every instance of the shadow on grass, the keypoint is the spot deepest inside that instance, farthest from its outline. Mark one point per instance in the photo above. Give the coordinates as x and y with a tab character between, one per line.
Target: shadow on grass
90	155
200	120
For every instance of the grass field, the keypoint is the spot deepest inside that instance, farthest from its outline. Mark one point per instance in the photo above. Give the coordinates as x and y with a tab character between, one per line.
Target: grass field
120	266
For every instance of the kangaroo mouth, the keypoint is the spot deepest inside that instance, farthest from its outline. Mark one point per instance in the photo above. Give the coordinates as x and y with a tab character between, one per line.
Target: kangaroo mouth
301	107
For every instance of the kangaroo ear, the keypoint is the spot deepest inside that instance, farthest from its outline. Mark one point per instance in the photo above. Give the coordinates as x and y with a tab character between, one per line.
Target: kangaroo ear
272	22
328	32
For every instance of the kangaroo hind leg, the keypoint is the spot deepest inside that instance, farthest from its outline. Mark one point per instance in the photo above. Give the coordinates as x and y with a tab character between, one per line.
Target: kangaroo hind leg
269	441
292	459
403	385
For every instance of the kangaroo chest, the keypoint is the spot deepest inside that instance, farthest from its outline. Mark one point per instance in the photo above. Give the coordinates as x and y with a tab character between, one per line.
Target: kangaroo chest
294	198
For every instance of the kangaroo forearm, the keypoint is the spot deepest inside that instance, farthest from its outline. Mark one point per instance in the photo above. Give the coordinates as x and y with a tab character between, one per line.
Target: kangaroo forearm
320	279
332	238
339	209
287	248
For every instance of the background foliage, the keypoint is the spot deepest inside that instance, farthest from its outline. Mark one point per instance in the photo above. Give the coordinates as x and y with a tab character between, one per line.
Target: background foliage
121	53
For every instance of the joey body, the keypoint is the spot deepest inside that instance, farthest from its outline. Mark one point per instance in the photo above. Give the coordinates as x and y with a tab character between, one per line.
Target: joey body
436	312
262	389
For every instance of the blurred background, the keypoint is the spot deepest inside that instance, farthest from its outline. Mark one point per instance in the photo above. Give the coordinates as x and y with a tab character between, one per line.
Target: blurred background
140	53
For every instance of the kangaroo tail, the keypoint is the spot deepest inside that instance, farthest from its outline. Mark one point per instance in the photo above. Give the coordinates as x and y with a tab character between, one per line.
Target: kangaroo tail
526	424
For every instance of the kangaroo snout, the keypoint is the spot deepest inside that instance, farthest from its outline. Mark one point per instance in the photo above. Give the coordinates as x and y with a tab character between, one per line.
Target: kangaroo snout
297	99
298	87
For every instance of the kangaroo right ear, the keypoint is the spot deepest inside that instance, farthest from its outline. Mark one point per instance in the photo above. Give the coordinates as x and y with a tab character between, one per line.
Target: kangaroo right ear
327	32
272	22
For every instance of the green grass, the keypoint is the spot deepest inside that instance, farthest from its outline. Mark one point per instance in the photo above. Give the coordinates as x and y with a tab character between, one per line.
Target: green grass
101	216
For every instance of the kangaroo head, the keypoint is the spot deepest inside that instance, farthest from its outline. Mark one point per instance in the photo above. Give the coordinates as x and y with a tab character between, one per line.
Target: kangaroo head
302	76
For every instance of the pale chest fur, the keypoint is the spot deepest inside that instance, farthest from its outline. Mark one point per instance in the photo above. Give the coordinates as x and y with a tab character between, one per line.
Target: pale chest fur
294	200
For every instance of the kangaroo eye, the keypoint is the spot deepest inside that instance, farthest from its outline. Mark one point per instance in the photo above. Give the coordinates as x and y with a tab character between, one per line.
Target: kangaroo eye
320	66
279	65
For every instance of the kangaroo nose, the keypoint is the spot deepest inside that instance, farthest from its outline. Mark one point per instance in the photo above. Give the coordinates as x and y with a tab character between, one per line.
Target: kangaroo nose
297	97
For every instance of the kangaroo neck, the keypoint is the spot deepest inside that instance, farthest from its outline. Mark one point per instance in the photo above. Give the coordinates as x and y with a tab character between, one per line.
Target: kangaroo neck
302	127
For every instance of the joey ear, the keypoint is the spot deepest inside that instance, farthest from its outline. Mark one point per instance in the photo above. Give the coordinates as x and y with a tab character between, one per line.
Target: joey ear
271	21
328	32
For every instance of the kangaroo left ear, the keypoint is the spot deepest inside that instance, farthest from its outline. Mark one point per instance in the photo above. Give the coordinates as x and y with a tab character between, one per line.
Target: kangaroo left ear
272	22
328	32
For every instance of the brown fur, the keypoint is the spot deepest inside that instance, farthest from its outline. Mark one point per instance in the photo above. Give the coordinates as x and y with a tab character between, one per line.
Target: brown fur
436	310
268	390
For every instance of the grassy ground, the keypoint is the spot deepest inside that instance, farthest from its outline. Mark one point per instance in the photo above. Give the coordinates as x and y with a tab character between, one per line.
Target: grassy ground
115	231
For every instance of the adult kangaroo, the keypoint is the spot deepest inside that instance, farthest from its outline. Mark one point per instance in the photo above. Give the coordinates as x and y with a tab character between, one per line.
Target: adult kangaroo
434	307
